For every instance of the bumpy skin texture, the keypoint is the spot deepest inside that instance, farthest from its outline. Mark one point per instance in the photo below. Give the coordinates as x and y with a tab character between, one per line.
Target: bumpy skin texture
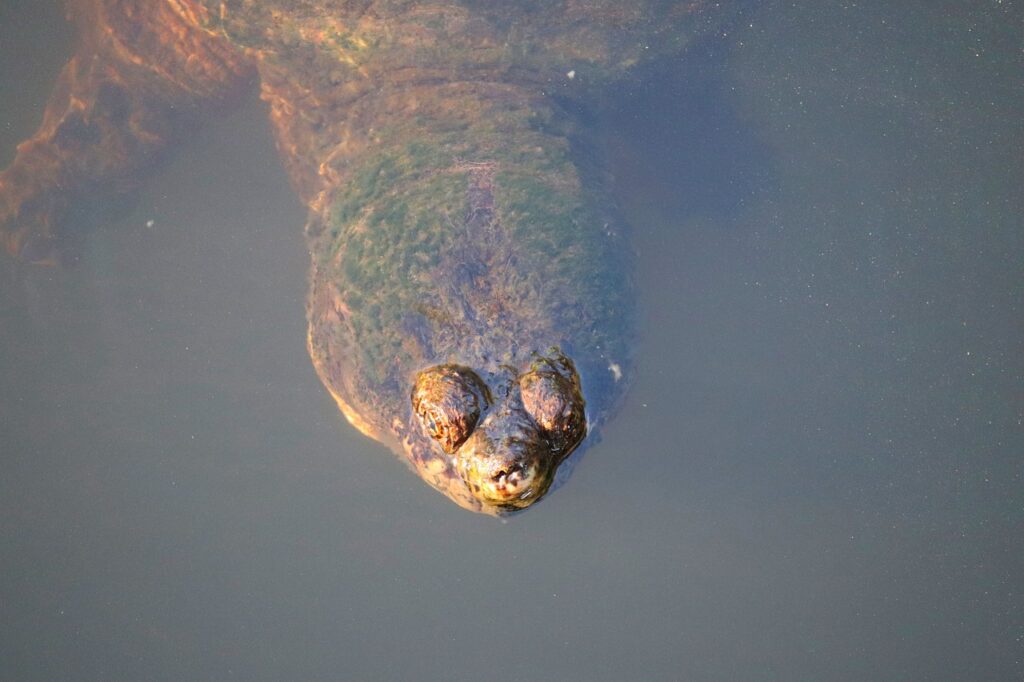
470	301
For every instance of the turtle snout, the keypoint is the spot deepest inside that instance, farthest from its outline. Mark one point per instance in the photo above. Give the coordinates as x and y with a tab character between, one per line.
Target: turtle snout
509	470
513	484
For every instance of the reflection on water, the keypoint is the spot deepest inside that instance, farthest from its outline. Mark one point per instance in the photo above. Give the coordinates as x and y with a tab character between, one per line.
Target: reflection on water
815	475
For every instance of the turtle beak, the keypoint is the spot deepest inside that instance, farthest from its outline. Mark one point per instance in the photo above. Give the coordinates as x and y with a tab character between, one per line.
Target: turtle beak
507	462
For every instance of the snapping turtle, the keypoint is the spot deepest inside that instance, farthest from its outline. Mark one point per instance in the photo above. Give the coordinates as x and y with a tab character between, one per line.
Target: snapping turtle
470	296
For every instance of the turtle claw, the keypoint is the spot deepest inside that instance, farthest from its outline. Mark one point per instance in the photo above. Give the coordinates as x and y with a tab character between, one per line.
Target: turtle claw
25	229
36	225
29	238
38	249
32	247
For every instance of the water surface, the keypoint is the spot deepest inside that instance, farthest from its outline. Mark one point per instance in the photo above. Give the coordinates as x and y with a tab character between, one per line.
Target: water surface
816	474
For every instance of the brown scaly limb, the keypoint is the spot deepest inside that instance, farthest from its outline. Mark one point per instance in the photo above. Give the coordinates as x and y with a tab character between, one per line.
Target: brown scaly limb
142	70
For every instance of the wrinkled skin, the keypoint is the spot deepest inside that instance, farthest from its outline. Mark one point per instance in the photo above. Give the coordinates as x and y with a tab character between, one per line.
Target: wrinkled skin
470	293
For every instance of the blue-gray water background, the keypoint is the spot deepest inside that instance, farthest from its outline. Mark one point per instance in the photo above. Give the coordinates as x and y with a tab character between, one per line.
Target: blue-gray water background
816	474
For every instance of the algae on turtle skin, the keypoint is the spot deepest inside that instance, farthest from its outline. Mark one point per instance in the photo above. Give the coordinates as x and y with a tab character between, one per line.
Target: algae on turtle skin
458	206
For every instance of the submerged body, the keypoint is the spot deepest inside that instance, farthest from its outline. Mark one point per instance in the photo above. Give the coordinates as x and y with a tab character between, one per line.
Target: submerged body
470	301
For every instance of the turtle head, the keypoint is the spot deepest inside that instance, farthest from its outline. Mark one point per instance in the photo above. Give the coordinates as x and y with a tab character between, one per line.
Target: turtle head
505	436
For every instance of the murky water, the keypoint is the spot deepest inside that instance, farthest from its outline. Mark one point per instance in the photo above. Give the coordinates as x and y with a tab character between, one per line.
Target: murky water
816	475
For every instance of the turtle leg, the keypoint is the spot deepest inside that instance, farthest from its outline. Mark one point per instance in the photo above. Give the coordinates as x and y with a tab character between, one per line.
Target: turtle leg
141	73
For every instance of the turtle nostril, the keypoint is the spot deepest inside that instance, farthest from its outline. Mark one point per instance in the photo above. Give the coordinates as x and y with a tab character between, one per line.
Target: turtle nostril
510	478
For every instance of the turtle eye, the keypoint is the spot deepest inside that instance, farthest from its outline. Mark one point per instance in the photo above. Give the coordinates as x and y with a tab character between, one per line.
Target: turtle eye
448	401
556	405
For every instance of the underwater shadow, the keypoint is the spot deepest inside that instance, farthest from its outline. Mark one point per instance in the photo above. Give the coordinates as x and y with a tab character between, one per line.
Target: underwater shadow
682	118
